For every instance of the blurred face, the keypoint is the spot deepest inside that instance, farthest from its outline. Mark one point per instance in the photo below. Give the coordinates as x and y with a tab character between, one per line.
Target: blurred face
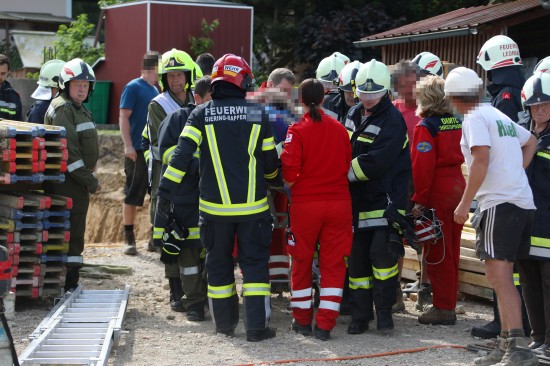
78	90
350	100
176	81
405	86
3	73
540	112
285	86
200	100
150	75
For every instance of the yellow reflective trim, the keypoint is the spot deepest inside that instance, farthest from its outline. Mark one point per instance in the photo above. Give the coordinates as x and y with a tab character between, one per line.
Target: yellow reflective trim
222	292
217	163
350	133
271	175
168	155
357	170
145	132
544	155
365	139
406	141
197	154
236	209
384	273
193	133
361	283
256	289
194	233
147	155
540	242
516	279
253	140
158	232
371	214
175	175
268	144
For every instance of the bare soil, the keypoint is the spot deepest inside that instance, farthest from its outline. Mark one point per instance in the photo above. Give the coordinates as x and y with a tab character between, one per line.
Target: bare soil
158	336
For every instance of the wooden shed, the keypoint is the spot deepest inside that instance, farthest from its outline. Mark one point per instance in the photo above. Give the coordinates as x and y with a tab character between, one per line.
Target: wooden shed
132	29
456	37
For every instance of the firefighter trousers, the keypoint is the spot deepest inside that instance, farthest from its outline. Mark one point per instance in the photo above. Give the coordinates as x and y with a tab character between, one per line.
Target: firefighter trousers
279	263
330	224
372	273
192	278
253	238
534	276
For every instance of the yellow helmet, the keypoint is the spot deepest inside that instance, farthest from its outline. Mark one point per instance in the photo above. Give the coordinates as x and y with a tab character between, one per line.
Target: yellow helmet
177	60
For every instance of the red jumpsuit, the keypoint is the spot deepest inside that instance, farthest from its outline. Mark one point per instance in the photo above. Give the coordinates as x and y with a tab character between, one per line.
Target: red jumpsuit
439	184
316	158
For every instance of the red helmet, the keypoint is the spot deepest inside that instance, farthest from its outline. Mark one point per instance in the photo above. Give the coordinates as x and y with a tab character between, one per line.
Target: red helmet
428	228
234	70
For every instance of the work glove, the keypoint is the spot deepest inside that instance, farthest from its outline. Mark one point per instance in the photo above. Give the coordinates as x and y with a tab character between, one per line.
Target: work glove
170	251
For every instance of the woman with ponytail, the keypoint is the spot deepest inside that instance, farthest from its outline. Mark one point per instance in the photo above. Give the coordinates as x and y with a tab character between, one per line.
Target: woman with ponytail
316	160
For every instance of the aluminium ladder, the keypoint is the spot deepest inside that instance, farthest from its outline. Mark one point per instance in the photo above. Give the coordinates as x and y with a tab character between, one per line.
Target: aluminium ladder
80	330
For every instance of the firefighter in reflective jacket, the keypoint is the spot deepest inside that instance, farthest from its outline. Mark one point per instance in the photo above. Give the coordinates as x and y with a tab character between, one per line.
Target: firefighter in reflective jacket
328	73
379	174
184	212
535	270
76	82
237	156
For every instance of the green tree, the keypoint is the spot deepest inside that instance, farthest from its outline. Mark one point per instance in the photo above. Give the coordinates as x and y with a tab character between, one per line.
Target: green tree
202	44
71	43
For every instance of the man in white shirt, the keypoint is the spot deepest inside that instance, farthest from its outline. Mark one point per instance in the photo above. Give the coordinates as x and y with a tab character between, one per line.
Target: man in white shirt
496	151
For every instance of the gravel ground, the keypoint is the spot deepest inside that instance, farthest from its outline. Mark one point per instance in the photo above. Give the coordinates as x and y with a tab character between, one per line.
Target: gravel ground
157	336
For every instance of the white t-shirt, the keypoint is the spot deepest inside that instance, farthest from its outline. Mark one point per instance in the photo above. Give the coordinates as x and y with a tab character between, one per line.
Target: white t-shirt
506	180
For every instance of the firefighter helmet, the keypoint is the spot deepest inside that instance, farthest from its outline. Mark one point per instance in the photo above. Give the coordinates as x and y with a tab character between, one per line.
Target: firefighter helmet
233	69
536	89
49	73
342	57
373	78
176	60
329	68
427	228
76	69
429	64
462	81
348	76
543	65
499	51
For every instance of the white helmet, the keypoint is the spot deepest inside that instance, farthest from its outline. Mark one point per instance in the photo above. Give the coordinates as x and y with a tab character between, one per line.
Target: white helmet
348	76
462	81
329	68
429	64
543	65
76	69
49	73
373	78
497	52
342	57
536	89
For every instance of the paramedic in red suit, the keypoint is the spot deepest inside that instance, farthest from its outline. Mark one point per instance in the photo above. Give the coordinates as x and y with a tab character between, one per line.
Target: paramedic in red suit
316	160
439	184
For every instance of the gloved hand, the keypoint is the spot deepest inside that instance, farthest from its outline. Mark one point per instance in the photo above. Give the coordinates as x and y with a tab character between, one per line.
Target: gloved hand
164	207
395	245
170	251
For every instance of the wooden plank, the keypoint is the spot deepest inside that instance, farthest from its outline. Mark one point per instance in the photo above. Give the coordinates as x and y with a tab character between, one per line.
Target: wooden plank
473	279
472	265
474	290
467	252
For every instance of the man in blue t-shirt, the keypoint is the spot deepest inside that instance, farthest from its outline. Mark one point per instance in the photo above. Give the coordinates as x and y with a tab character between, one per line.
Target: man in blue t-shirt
132	119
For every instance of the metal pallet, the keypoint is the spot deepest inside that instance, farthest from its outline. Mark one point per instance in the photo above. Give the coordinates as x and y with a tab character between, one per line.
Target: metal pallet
80	330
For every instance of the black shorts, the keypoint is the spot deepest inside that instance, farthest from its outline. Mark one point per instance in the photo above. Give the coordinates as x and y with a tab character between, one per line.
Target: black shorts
136	180
504	233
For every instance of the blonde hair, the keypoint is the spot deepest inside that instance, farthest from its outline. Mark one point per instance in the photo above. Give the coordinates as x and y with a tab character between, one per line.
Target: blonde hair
430	97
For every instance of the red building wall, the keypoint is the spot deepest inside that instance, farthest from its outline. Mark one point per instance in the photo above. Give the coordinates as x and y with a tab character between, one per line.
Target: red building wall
170	27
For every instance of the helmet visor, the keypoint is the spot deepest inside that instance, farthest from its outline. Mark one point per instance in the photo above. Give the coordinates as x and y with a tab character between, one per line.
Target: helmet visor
370	96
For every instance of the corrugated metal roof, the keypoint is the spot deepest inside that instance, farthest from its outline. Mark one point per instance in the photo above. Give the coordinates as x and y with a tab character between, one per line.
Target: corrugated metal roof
459	19
220	3
34	17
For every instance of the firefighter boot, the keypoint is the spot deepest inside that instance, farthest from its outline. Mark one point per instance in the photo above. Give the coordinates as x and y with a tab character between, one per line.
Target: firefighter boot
517	353
495	356
129	243
424	297
400	304
176	294
437	316
260	335
491	329
304	330
384	320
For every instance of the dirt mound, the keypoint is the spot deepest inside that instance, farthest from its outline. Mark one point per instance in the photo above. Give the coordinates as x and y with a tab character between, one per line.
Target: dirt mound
104	222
